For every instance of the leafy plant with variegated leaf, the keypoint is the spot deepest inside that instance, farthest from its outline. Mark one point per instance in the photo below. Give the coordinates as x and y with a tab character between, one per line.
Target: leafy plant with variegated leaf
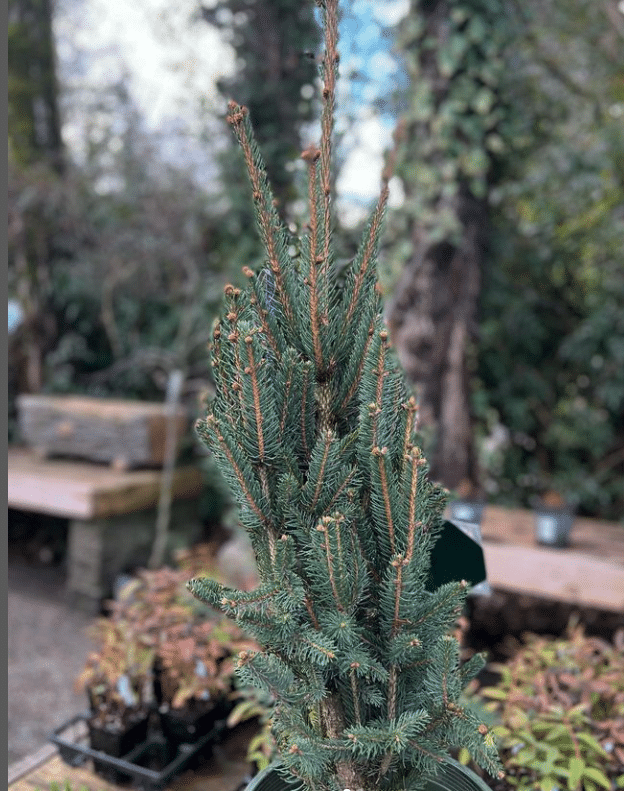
196	661
117	675
561	706
255	704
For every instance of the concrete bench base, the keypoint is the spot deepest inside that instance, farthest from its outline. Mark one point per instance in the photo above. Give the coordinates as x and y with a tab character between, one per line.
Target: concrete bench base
112	516
101	549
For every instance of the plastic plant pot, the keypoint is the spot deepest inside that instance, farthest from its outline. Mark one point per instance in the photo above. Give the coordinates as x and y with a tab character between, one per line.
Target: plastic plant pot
553	526
189	724
150	766
452	776
116	744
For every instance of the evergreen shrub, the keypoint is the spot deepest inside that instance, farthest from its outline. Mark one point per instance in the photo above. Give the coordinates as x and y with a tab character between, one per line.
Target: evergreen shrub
314	427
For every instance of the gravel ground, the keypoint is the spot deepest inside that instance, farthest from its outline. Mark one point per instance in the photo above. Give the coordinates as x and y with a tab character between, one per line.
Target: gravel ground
47	648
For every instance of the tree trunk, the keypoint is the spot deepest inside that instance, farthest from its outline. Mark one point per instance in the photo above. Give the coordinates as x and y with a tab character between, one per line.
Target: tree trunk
432	317
446	169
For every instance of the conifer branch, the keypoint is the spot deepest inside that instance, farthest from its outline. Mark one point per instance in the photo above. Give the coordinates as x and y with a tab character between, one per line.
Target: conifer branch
380	455
368	255
322	527
311	156
330	70
271	537
212	427
305	397
410	424
450	594
397	564
251	369
355	383
416	462
340	489
263	313
311	613
380	372
392	693
268	219
321	476
355	694
314	428
288	384
230	326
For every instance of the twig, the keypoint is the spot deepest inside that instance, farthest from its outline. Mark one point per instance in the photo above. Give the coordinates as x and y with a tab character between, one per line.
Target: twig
174	389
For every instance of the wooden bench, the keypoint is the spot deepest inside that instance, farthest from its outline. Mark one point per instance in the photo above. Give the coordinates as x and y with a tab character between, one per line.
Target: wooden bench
111	513
589	573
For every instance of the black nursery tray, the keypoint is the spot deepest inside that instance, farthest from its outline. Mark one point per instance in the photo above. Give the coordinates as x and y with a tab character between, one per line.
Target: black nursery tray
72	740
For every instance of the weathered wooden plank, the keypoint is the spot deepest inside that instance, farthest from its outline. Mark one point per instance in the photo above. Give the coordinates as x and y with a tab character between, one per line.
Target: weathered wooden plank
128	434
27	765
564	575
79	490
55	770
516	526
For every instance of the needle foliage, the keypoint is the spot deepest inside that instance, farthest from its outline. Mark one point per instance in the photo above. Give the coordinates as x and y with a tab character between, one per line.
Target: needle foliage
314	427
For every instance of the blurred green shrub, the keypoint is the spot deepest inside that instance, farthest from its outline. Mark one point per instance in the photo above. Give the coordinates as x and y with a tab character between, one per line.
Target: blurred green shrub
255	704
560	707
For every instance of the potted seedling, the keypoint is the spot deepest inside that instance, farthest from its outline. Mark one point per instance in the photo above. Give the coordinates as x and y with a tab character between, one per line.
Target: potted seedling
314	427
117	679
468	505
196	671
193	653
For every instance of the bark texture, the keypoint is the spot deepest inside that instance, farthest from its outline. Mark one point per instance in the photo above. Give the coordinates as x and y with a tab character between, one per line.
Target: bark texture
433	312
432	318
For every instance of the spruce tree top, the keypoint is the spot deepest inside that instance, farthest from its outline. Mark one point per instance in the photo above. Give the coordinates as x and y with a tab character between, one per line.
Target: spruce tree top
313	425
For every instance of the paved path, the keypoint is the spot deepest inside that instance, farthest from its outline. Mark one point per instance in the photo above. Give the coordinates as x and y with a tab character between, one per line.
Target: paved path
47	649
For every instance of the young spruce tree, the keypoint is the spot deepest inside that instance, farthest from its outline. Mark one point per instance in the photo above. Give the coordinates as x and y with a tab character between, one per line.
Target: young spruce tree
313	426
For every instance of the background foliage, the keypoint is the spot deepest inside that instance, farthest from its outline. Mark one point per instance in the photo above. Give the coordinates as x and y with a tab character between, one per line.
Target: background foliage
551	342
118	261
524	109
559	706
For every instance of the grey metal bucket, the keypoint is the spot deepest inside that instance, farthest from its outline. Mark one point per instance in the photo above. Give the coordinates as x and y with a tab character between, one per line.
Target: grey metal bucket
553	526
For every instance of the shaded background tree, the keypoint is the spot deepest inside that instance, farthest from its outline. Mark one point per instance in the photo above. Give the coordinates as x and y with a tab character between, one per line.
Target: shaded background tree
452	53
551	345
275	42
34	138
33	120
507	243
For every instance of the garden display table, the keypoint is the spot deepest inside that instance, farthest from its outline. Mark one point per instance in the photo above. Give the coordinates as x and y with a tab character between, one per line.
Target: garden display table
589	573
111	513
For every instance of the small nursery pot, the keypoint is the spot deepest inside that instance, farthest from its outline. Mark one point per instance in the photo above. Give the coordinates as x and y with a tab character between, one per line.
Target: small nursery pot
467	510
553	526
189	724
452	776
116	743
